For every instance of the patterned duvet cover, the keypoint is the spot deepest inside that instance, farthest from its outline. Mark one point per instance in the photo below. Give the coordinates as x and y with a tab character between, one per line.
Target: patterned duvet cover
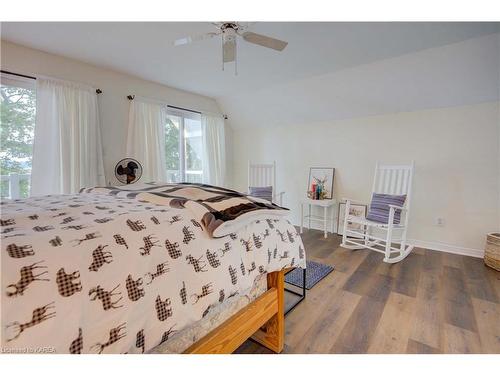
117	273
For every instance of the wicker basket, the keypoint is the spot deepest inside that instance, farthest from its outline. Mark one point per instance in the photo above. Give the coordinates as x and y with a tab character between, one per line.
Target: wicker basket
492	251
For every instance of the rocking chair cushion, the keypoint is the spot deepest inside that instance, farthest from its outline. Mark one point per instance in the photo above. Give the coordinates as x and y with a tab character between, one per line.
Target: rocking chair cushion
379	207
265	192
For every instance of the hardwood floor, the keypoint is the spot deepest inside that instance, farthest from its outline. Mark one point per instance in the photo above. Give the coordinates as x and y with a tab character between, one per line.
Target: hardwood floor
431	302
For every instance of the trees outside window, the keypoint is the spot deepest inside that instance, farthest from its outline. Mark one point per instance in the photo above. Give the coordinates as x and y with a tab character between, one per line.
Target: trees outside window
183	148
17	117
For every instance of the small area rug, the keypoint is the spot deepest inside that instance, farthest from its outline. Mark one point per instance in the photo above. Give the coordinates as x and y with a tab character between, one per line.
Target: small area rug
315	272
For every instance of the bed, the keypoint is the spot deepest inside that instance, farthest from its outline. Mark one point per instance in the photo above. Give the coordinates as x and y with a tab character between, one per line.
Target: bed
158	268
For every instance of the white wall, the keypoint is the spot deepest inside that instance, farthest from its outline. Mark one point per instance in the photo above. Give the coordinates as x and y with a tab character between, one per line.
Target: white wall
456	151
113	102
438	106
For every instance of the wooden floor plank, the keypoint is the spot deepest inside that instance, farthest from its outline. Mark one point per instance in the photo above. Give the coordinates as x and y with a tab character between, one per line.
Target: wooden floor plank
460	341
429	287
452	260
460	315
394	327
415	347
457	304
369	284
355	310
419	250
329	324
347	261
316	302
388	269
356	335
478	283
488	320
454	287
427	323
494	277
407	280
432	262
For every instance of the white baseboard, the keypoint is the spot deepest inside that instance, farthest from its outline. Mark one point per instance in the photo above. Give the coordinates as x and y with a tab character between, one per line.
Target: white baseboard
453	249
437	246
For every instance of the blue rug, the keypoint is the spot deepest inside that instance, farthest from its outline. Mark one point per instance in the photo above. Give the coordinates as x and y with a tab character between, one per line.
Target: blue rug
314	273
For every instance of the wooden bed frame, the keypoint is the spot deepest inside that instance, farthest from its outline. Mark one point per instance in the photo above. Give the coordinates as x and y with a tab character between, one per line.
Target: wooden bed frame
263	320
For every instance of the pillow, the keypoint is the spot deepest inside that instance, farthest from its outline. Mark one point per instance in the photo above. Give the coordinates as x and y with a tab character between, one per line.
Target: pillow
379	207
265	192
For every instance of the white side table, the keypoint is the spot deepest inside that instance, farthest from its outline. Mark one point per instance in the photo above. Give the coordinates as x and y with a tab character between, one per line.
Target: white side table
326	204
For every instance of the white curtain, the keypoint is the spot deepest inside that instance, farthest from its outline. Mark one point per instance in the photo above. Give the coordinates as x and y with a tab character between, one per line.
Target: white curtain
214	154
67	150
146	138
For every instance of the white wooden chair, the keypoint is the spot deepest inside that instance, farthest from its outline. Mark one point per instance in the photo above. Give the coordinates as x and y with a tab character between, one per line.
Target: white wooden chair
389	179
263	175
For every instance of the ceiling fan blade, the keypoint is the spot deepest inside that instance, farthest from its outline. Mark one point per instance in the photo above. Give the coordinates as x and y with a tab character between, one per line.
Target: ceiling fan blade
192	39
264	41
229	51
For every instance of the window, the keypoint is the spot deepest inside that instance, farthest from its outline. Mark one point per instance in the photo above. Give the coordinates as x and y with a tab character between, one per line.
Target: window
184	147
17	117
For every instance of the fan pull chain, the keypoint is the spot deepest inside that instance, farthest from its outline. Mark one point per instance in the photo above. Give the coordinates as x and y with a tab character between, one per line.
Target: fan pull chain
222	49
235	56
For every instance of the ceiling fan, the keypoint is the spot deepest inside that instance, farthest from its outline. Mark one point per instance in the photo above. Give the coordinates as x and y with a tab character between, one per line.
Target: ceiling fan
229	32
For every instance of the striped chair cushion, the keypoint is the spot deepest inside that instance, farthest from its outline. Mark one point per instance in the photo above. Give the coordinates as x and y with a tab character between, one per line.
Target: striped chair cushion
265	192
379	207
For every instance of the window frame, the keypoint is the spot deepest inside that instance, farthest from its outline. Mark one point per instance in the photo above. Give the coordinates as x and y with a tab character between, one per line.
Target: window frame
14	180
183	115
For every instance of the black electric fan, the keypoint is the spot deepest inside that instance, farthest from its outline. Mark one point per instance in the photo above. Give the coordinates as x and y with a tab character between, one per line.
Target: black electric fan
128	171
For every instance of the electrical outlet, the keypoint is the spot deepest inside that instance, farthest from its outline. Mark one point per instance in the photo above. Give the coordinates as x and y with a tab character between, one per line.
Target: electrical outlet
439	221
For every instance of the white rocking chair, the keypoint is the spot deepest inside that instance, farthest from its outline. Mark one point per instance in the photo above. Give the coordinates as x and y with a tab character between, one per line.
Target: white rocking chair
264	175
389	179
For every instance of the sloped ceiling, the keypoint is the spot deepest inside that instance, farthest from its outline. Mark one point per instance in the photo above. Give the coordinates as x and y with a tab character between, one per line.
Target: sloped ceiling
328	70
458	74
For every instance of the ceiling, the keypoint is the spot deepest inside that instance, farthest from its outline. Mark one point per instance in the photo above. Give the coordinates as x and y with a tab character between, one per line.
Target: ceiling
458	74
145	49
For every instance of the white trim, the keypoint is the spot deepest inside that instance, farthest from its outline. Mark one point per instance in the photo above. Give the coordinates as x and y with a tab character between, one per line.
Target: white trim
452	249
437	246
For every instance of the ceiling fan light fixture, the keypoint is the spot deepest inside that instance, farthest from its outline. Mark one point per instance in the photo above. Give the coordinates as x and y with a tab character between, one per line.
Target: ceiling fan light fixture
228	35
229	45
229	32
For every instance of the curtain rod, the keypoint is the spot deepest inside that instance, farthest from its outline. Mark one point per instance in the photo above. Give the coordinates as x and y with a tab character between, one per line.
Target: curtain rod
183	109
132	97
97	91
17	74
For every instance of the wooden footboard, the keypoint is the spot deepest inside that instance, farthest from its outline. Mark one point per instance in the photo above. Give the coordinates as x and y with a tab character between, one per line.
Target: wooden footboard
263	320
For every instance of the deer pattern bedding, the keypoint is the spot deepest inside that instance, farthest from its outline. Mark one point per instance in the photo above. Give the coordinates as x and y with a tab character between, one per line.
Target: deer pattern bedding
104	273
221	211
183	339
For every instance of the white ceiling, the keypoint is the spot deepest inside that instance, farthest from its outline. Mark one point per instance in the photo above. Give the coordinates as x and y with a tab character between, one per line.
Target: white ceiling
315	49
457	74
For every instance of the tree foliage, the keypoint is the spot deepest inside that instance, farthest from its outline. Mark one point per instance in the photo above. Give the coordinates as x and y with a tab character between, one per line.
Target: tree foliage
172	140
172	146
17	120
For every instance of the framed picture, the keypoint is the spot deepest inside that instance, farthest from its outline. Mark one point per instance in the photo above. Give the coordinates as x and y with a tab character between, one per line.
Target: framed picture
358	210
323	176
